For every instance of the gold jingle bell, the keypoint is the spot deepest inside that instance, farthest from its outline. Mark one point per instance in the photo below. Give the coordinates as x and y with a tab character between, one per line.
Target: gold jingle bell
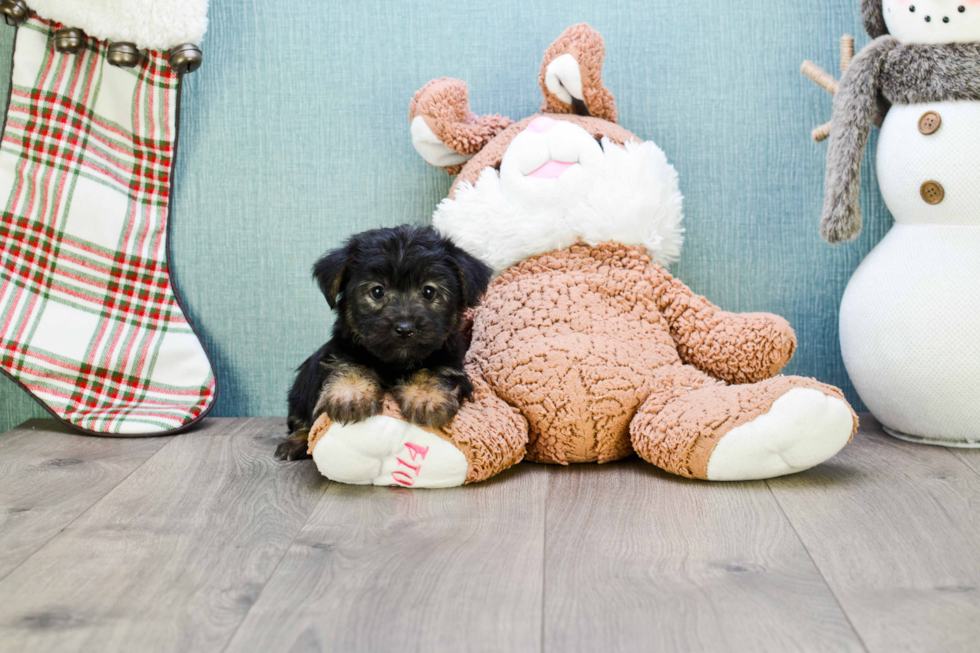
15	12
124	55
186	58
70	40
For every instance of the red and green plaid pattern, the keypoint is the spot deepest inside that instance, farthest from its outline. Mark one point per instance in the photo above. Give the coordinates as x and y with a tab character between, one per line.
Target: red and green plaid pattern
89	322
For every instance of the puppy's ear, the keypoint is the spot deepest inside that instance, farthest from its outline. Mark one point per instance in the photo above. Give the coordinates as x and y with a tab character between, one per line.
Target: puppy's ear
330	273
474	276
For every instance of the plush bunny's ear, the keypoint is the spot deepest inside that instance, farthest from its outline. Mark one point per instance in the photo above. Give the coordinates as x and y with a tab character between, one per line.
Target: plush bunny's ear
571	75
444	130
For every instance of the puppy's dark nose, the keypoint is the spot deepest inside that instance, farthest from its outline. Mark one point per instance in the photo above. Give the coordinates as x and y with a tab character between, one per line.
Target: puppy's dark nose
404	330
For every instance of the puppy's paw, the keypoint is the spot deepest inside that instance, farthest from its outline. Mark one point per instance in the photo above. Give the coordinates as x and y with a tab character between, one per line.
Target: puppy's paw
428	399
294	448
353	410
349	397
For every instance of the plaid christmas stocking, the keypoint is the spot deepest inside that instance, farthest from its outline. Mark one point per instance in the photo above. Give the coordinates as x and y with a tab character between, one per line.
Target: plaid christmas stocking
90	323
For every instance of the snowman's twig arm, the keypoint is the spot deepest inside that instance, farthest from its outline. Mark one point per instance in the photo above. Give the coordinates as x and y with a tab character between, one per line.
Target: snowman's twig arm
854	112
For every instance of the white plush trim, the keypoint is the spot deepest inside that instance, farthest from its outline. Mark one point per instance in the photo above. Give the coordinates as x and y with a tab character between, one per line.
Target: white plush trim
633	199
150	24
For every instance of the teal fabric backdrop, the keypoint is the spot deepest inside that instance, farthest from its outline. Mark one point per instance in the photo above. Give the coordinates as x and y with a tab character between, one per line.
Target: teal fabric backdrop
295	134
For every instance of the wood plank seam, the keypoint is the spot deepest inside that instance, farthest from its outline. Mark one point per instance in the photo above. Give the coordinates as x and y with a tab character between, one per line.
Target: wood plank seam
46	542
243	446
958	457
275	570
544	559
809	555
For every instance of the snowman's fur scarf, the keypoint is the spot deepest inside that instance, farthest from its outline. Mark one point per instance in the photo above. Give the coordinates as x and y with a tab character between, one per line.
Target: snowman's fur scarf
874	18
886	72
635	200
153	24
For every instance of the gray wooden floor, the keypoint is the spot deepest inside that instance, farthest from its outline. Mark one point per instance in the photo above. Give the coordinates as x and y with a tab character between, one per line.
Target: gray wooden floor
202	542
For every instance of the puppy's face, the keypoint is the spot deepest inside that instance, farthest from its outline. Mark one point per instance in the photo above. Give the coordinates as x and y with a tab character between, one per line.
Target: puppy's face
401	310
401	292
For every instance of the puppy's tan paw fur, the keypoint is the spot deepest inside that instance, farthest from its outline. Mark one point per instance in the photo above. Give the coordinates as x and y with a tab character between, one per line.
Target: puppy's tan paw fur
428	399
352	395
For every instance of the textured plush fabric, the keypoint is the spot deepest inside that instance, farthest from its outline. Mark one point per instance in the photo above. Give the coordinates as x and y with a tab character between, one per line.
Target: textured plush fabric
575	358
491	155
734	348
627	194
154	24
588	48
571	338
293	136
901	74
581	323
874	20
913	74
854	110
490	433
444	105
579	339
678	427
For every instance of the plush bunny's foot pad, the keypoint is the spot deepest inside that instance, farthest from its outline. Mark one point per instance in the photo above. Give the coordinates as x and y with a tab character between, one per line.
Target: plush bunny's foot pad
486	437
802	429
754	431
388	451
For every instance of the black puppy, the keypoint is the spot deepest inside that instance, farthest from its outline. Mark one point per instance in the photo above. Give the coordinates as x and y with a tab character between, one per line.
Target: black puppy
400	295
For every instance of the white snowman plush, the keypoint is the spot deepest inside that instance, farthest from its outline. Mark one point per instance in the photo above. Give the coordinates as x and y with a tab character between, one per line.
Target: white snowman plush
910	317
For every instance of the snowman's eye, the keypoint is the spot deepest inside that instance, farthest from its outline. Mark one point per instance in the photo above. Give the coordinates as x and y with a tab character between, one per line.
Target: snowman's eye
912	9
962	9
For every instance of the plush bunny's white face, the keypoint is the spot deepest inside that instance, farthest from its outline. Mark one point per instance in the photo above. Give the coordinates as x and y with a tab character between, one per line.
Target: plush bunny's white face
550	166
557	185
933	21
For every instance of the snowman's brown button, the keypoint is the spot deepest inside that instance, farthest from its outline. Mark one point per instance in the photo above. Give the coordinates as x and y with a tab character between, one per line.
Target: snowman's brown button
932	192
930	122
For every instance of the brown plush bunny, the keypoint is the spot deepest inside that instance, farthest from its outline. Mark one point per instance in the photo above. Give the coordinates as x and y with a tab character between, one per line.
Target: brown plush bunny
585	349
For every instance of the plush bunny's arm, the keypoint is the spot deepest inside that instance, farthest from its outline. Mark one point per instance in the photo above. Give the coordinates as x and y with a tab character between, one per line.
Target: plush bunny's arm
736	348
854	112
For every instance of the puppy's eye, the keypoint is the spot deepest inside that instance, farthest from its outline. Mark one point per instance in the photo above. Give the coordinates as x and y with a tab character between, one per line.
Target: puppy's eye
378	292
429	293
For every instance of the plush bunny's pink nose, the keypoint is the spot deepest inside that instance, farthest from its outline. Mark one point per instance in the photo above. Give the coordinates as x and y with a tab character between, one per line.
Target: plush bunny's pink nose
542	124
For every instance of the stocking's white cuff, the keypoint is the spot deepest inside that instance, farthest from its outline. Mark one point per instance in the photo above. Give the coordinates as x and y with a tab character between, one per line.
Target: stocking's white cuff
151	24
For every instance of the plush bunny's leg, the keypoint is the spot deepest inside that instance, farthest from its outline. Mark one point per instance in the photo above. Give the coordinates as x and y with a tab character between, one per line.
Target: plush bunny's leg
742	432
486	437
